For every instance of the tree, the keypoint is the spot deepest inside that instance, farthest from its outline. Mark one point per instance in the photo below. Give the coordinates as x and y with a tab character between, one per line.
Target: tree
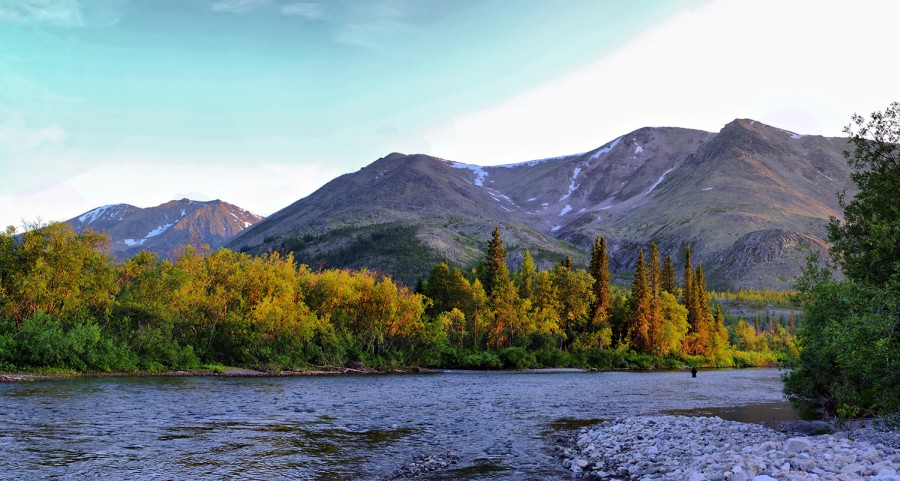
656	322
575	298
867	243
667	282
688	292
599	270
704	322
849	339
639	318
674	324
496	270
525	276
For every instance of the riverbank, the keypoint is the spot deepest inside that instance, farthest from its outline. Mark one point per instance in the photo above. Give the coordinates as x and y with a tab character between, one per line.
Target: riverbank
711	449
214	372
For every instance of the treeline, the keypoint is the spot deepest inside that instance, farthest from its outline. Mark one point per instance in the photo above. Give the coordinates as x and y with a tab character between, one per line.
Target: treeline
64	304
567	316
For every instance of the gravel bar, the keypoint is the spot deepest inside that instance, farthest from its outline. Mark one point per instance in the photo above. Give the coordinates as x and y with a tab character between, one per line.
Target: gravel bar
711	449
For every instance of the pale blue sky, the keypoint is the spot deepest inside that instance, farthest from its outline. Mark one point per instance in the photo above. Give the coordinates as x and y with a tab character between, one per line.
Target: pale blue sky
259	102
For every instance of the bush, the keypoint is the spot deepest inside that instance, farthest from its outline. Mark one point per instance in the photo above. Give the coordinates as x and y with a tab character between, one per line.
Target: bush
517	358
82	347
850	357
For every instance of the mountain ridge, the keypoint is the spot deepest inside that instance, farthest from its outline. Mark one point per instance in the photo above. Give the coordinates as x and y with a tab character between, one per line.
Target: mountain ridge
165	228
748	190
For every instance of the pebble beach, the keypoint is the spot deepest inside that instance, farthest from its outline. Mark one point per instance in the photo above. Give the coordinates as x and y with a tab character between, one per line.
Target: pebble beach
711	449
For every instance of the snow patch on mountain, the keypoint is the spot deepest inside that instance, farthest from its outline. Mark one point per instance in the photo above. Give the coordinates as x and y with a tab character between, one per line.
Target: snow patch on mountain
638	149
480	174
572	184
659	180
606	149
92	215
134	242
159	230
565	210
532	163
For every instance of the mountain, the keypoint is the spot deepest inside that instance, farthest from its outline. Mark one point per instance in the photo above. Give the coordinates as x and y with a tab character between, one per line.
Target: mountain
166	228
748	200
402	214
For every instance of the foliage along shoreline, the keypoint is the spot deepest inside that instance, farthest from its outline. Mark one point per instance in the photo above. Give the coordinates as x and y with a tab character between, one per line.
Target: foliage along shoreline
65	305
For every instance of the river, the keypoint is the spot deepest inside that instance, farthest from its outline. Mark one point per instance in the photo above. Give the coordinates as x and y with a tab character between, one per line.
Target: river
502	425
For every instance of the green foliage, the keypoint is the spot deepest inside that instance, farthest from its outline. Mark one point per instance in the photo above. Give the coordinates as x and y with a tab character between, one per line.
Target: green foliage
65	306
82	347
850	349
867	242
849	362
517	358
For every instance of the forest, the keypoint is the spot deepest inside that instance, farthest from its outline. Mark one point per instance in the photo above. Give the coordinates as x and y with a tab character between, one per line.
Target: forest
65	305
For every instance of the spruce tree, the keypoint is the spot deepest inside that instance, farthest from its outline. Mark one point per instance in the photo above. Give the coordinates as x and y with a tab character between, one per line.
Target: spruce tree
599	270
655	320
525	276
687	296
667	283
496	270
639	317
703	317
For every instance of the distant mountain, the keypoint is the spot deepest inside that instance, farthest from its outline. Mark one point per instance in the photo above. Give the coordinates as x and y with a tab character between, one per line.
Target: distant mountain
402	215
748	200
166	228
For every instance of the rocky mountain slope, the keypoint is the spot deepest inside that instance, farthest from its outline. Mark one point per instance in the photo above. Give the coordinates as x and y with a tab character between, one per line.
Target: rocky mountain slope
166	228
402	215
748	200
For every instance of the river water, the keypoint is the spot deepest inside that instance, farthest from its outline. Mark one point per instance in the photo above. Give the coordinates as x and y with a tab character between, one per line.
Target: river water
502	425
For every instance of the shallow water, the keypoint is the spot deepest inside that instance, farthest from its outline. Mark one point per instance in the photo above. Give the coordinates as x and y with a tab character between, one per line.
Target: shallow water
503	424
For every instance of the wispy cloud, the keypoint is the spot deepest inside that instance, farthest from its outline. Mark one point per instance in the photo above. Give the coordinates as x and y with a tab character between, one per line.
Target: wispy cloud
238	6
16	136
372	24
311	11
60	13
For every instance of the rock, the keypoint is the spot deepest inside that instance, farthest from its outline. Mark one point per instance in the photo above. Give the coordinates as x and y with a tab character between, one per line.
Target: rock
763	477
796	445
852	469
886	477
581	463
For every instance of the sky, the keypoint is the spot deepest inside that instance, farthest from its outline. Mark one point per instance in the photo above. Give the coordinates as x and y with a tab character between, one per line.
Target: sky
261	102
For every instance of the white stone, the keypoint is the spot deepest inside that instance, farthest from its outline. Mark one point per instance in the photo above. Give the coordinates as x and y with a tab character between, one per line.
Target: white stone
796	445
581	463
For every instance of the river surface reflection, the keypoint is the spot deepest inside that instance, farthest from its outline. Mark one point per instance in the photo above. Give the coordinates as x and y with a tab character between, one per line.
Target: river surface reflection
503	425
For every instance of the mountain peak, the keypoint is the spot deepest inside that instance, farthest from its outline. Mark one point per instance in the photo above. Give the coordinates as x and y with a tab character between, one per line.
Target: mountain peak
166	228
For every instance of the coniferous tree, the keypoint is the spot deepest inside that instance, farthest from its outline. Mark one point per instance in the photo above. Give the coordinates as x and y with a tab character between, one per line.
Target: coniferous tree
667	283
688	298
704	318
655	319
525	276
599	270
496	270
639	317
